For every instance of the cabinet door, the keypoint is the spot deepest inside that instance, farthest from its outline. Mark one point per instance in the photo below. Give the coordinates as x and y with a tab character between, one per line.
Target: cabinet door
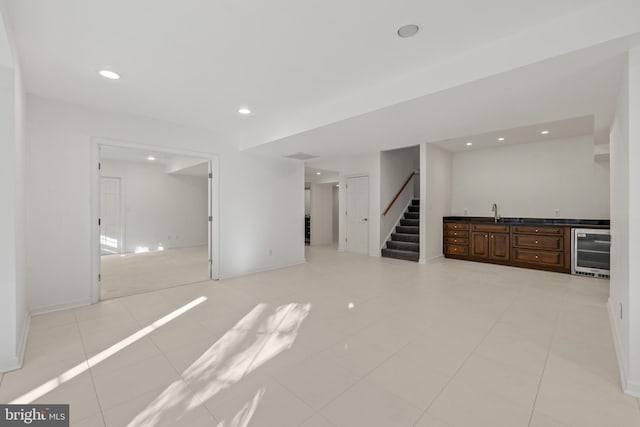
499	246
480	244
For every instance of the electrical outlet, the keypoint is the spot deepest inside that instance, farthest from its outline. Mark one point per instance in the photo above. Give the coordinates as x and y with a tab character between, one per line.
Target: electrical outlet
466	211
557	211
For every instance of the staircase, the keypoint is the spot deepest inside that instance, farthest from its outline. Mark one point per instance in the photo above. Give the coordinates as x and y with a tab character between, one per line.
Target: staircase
405	242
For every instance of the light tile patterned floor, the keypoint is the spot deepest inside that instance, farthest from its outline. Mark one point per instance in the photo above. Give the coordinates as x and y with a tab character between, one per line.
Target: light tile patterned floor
131	274
344	340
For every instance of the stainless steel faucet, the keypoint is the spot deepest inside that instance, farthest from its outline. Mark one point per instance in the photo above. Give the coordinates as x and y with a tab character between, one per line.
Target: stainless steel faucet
494	209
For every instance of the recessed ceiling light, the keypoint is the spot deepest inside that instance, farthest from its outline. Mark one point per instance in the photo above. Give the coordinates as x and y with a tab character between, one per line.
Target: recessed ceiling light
244	110
151	158
318	173
409	30
469	144
544	132
107	74
501	138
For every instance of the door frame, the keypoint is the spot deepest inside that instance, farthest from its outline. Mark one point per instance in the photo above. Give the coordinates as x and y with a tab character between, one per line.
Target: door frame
213	205
346	205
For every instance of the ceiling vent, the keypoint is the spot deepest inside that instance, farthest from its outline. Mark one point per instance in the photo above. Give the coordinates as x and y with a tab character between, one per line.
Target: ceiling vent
302	156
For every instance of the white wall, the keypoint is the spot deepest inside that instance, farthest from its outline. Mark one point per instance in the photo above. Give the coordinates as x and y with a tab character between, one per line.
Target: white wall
261	199
624	299
395	167
335	214
633	382
14	316
532	180
348	166
8	325
321	214
22	293
437	180
160	209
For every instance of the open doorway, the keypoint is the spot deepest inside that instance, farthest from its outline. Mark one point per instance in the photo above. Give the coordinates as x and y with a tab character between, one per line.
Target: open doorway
321	207
155	227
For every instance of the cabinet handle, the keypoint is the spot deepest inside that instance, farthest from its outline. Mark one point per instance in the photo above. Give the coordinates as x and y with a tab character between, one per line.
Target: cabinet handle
536	241
536	230
486	235
455	234
537	257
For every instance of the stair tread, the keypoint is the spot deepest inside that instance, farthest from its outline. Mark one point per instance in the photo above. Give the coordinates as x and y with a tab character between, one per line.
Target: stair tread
405	237
408	229
404	246
399	251
400	254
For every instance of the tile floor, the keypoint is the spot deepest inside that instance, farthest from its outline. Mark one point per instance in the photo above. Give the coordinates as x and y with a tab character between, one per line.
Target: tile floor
344	340
131	274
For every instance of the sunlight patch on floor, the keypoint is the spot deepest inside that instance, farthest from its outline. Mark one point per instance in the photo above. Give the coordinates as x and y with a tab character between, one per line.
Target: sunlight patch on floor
257	338
68	375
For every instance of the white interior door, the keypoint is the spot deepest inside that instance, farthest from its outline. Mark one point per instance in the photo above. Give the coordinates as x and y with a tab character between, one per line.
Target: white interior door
358	214
110	216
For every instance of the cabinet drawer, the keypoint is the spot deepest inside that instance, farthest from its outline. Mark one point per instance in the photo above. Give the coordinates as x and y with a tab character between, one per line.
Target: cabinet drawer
456	250
457	241
456	226
492	228
455	233
554	243
555	259
556	231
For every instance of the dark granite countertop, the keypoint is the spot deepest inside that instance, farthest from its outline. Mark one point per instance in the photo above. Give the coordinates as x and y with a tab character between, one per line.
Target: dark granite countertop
577	223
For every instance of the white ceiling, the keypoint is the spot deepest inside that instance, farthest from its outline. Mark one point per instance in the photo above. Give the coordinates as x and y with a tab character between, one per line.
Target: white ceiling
325	176
195	62
584	83
172	163
560	129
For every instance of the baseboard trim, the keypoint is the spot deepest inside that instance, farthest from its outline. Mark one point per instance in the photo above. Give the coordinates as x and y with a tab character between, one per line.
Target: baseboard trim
631	388
14	363
11	364
262	270
24	334
57	307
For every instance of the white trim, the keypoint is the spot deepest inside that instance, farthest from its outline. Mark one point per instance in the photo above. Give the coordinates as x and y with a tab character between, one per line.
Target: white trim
629	387
10	364
214	197
64	306
262	270
22	338
398	220
214	202
14	363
